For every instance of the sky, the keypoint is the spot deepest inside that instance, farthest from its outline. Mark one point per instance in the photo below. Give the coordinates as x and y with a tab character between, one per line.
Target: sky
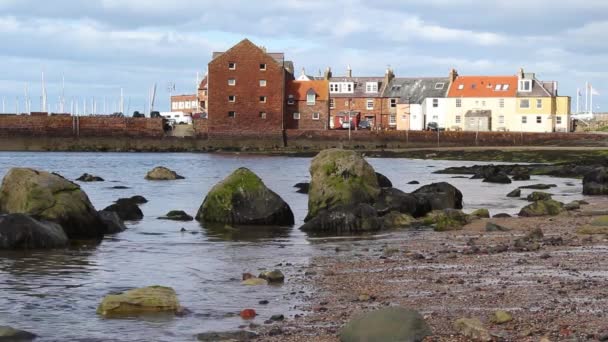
101	46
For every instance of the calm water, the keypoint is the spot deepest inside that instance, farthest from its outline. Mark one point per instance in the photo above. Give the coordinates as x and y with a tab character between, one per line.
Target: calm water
55	293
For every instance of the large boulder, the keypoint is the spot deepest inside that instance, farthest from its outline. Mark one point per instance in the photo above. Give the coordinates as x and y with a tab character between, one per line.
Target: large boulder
520	174
177	215
383	181
19	231
542	208
437	196
391	199
340	178
538	196
153	299
50	197
162	173
89	178
126	210
302	187
113	222
389	324
596	182
10	334
500	178
345	220
243	199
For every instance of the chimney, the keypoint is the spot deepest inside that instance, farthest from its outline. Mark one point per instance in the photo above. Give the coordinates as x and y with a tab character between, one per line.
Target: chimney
388	76
303	71
328	73
453	75
263	48
349	71
521	73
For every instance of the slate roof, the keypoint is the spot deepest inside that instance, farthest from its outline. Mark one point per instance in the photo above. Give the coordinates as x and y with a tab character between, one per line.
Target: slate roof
359	86
539	89
483	86
415	90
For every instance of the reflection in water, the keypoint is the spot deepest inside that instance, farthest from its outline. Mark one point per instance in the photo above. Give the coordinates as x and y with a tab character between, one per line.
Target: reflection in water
55	293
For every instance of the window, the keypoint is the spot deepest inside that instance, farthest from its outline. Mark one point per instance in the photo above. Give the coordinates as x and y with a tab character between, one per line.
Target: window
316	116
439	86
193	104
262	66
371	87
558	120
188	105
393	103
435	117
231	82
231	114
392	120
296	116
501	103
505	87
370	104
524	103
332	103
458	103
473	86
501	119
334	87
346	103
458	119
174	105
232	66
262	99
539	119
311	99
290	100
498	87
262	83
524	119
263	115
231	98
525	85
181	104
539	103
435	103
460	87
349	87
483	103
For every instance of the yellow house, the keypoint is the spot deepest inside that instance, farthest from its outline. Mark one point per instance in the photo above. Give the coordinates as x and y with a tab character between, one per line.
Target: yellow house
539	108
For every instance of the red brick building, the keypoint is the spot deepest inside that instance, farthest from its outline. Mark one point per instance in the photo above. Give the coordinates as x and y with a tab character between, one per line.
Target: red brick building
307	105
246	90
203	99
184	103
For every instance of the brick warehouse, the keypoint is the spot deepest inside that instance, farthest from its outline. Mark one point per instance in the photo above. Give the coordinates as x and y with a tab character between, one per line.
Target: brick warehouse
307	105
247	90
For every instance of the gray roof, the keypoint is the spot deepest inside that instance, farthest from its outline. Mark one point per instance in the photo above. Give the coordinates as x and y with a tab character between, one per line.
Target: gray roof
415	90
539	89
359	90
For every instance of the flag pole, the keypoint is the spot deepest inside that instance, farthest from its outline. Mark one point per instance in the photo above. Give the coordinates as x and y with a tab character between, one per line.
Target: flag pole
591	101
578	95
586	97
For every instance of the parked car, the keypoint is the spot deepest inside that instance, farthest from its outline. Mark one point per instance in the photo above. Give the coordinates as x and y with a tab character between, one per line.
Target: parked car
348	124
433	126
137	114
365	125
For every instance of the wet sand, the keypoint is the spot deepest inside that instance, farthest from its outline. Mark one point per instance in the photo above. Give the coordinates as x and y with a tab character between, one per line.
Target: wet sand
555	287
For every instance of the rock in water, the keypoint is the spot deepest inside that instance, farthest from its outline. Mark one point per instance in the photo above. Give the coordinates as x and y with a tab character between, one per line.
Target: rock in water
539	186
162	173
542	208
303	188
113	222
538	196
473	329
596	182
514	193
89	178
500	178
50	197
153	299
390	324
10	334
134	199
481	213
521	174
391	199
243	199
273	277
19	231
177	215
437	196
345	220
383	181
340	178
126	210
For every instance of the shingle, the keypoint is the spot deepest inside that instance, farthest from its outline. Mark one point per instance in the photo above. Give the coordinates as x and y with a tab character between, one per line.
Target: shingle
415	90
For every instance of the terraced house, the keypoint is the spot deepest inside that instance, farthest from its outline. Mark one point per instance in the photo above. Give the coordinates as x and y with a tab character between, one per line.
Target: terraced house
307	104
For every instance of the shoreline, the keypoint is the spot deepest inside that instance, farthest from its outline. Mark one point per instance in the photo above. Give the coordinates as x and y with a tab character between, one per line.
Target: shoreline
554	288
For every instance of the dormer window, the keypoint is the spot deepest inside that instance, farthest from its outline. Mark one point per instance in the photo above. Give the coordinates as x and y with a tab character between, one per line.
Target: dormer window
460	87
371	87
498	87
473	86
505	87
311	98
439	86
525	85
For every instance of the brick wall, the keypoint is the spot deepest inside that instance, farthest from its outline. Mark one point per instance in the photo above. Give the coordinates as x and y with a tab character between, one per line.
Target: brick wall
247	91
306	111
201	127
67	126
380	113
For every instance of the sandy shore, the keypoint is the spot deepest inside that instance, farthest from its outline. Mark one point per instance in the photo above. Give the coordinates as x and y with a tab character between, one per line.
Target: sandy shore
555	287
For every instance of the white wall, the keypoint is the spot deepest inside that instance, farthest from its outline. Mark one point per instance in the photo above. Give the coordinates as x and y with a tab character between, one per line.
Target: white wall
416	118
436	114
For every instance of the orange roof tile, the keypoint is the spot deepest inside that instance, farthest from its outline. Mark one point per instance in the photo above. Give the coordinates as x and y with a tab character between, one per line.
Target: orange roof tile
484	86
299	89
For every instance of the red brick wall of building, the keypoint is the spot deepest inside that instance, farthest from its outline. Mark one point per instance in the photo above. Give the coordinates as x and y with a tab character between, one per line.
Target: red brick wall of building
306	114
380	113
247	90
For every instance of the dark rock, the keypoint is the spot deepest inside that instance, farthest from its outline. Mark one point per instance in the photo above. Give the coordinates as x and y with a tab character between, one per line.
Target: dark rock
596	182
574	205
446	219
273	277
520	174
113	222
542	208
414	183
395	219
389	324
391	199
501	215
120	187
126	210
500	178
481	213
237	336
538	196
263	302
277	318
303	188
243	199
345	220
437	196
534	235
383	181
514	193
493	227
162	173
19	231
9	334
177	215
539	186
89	178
